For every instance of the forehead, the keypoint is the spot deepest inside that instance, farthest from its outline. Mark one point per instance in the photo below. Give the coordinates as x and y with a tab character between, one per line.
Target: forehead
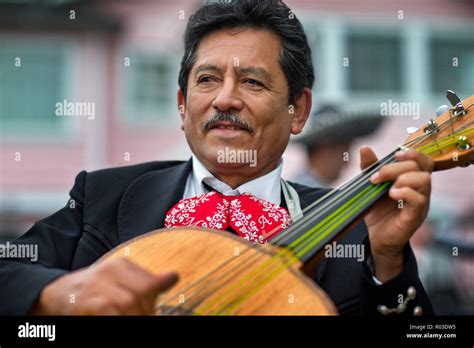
239	47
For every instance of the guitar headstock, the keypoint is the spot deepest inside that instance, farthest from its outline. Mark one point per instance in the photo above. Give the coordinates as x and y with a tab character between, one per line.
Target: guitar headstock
449	138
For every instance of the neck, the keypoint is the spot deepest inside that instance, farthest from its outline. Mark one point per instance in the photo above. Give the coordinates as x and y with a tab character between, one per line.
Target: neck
234	180
235	176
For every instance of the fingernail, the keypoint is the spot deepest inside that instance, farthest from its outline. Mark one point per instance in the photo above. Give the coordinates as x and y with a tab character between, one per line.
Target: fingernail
400	154
375	178
394	190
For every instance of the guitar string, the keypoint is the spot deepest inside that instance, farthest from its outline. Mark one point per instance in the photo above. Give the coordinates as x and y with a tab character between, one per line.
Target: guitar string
277	239
252	248
255	288
275	261
380	163
230	305
377	163
415	140
276	258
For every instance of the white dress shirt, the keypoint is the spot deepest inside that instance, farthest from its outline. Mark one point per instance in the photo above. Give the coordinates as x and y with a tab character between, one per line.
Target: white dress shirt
266	187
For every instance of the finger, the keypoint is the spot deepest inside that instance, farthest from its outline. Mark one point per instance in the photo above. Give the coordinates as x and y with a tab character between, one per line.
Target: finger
145	285
416	204
367	157
142	281
390	172
419	181
163	282
424	162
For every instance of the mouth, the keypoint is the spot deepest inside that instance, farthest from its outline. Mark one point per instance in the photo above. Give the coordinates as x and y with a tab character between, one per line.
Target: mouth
227	126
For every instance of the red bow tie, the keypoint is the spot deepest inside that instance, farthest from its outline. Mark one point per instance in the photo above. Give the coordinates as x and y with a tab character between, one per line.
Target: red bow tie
253	219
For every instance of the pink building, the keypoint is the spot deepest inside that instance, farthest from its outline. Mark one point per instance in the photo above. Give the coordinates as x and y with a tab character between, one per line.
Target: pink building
115	65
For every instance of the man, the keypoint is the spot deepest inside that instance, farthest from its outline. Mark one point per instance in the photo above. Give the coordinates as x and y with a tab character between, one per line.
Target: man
245	83
328	141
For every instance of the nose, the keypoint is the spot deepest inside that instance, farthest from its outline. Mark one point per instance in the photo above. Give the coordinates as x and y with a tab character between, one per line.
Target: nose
227	97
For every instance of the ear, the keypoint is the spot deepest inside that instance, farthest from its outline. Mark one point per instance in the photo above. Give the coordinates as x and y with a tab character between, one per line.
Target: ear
181	106
300	111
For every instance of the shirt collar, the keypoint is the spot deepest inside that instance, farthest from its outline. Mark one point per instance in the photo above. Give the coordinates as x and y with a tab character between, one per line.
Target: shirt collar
266	187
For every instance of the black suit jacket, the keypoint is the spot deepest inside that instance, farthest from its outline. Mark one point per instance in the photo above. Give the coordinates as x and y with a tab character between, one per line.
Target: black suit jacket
110	206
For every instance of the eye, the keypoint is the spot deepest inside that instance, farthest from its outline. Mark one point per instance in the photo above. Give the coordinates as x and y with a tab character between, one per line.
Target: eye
205	79
253	82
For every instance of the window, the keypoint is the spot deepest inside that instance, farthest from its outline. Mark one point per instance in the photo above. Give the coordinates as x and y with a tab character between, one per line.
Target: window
31	83
374	63
153	87
452	62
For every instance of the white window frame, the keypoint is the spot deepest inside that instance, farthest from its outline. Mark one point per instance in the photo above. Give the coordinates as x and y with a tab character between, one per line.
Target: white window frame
168	113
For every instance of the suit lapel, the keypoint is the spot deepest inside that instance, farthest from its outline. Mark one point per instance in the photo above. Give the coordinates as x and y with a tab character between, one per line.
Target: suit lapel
144	205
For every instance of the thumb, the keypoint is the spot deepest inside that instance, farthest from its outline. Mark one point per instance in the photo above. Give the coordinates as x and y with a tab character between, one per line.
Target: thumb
160	283
164	281
367	157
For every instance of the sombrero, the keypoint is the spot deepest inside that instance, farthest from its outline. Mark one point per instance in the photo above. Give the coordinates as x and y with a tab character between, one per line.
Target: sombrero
329	124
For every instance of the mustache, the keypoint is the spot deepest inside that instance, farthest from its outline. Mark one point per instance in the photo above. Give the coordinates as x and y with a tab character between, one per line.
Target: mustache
231	117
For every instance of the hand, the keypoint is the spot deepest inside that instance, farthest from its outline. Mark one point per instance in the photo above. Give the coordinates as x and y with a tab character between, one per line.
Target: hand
394	219
112	287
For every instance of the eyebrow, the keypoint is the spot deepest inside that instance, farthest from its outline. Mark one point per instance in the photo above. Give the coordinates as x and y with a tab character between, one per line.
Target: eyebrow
207	67
261	72
252	70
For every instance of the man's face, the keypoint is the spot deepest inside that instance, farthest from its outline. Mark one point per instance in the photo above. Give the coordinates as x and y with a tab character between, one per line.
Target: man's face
237	72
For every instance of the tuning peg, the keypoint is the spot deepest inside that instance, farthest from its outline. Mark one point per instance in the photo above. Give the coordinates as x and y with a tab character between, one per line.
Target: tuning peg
431	127
462	143
452	97
455	102
411	130
441	110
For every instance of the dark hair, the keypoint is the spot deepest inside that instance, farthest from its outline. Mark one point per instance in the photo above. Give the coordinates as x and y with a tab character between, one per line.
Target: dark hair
273	15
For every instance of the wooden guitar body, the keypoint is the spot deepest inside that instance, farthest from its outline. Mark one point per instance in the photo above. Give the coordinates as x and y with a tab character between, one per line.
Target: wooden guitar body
194	252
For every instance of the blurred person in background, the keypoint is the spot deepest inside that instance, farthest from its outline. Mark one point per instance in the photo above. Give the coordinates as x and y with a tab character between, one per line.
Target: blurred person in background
444	250
464	267
328	141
